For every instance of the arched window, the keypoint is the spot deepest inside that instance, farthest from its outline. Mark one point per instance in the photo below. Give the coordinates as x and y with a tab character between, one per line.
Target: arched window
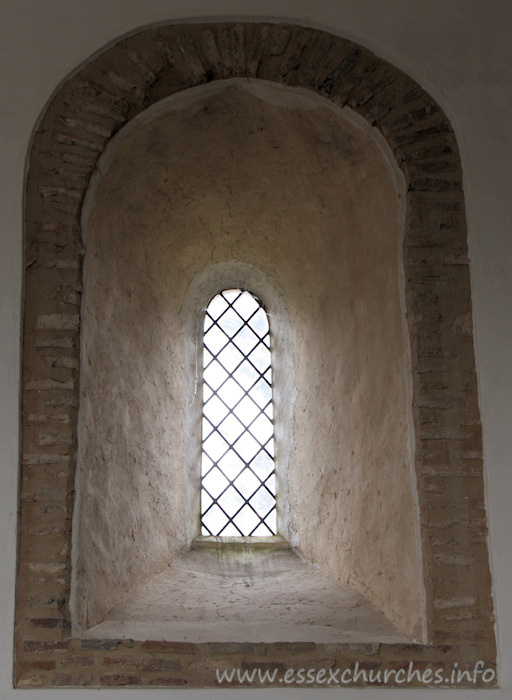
238	488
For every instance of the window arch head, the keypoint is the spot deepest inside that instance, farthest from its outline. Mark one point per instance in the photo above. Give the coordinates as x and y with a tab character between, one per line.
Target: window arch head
238	481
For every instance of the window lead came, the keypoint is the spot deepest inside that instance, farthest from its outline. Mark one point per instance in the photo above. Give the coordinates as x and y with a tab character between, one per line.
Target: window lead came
238	492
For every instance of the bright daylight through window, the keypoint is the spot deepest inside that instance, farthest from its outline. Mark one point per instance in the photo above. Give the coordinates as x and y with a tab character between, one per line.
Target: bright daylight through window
238	493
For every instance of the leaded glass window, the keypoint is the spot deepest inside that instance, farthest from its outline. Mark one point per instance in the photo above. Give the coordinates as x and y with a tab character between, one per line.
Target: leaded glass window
238	492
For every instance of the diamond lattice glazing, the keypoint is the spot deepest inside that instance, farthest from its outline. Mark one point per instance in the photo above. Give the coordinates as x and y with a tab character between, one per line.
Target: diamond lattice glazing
237	467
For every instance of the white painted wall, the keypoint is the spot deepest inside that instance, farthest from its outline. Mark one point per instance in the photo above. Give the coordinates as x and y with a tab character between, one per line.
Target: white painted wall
458	50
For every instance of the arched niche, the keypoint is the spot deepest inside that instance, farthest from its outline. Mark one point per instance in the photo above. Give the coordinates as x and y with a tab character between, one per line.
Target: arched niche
251	175
78	123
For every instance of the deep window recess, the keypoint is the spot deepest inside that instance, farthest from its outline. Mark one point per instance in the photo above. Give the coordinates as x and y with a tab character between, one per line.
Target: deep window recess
238	492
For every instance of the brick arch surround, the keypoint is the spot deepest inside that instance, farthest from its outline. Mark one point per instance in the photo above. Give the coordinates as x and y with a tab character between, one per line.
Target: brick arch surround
85	113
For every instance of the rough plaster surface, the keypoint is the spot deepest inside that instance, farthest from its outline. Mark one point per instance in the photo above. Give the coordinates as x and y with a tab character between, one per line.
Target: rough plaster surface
223	595
307	198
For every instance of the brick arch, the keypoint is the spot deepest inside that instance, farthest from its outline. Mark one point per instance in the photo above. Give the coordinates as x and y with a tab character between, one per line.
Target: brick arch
86	112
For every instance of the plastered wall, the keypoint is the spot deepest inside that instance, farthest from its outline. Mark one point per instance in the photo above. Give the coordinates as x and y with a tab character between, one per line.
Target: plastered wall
284	183
459	52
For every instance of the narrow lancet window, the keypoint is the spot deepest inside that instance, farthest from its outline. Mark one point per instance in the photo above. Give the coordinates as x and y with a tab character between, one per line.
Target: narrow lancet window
238	492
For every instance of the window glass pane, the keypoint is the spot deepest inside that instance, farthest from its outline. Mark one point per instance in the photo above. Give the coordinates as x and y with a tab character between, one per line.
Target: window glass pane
238	484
